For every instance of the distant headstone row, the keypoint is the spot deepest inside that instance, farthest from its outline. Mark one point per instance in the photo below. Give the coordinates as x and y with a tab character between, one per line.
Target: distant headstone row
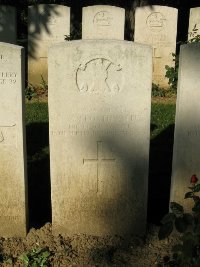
99	128
49	24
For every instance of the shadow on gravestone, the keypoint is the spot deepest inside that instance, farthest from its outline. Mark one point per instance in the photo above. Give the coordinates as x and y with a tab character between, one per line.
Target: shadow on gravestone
160	165
39	26
39	192
130	192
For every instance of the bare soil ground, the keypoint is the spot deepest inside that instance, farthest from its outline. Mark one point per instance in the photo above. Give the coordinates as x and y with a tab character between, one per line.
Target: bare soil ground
89	251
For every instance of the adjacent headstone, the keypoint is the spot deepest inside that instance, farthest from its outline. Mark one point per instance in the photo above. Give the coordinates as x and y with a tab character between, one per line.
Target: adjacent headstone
8	24
186	160
157	26
103	22
13	199
47	24
99	119
194	22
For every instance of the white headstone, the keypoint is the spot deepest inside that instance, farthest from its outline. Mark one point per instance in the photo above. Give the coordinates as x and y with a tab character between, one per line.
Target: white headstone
13	189
47	24
8	24
99	119
157	26
194	21
186	160
103	22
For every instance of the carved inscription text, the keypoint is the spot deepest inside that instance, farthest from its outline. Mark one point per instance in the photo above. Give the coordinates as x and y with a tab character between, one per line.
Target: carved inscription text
8	77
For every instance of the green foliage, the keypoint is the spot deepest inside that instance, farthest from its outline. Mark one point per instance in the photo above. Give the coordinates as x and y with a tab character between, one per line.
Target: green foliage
30	92
157	90
172	72
36	258
187	252
194	37
43	84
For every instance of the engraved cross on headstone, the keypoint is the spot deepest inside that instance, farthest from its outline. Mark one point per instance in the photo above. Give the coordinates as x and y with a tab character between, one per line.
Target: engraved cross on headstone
98	160
1	132
156	55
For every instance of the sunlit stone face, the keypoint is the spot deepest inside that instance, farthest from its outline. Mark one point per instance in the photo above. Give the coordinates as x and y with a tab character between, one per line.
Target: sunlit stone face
99	119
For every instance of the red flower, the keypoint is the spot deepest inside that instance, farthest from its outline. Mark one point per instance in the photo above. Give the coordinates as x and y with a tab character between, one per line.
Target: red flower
193	179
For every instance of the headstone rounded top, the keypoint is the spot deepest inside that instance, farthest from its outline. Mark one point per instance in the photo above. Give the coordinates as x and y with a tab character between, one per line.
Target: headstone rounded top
157	25
103	22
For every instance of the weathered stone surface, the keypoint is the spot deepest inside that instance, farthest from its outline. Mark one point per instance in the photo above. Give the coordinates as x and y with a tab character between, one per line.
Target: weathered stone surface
13	189
194	20
157	26
186	160
47	24
103	22
8	24
99	119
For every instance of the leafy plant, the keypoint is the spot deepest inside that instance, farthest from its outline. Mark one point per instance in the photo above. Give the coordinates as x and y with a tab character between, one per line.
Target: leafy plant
43	84
187	252
36	258
30	92
172	73
157	90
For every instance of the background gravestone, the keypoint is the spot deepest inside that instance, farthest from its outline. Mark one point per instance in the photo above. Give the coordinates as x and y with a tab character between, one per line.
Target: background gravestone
13	189
157	26
8	24
99	119
194	20
186	161
47	24
103	22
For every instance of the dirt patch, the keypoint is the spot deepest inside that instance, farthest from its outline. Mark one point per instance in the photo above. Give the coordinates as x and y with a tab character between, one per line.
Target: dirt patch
88	251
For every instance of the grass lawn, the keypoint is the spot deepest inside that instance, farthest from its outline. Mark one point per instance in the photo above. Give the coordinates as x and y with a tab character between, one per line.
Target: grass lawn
161	145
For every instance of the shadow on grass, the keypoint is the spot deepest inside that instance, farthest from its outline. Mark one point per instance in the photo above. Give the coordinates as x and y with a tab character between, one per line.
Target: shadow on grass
39	189
160	164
